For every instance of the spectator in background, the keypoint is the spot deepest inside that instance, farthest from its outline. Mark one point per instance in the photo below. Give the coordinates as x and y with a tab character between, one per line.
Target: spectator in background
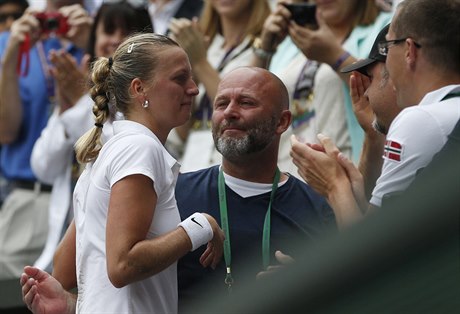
307	58
28	98
162	11
422	61
11	10
216	44
374	104
53	160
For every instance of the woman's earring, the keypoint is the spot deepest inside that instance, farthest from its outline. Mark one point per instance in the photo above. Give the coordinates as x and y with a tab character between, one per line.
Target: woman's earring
145	104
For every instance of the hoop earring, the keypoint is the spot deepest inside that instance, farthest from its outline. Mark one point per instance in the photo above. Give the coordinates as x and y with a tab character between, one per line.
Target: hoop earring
145	104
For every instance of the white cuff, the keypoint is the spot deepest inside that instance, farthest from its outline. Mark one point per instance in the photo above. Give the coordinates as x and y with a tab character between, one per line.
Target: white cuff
198	229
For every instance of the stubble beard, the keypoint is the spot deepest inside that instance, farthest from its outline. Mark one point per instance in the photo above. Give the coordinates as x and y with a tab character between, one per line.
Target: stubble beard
255	140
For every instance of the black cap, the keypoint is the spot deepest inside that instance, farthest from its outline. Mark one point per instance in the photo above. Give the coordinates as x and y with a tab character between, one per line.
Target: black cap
374	55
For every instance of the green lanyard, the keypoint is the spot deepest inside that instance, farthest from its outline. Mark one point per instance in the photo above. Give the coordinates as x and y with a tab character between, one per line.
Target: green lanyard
224	224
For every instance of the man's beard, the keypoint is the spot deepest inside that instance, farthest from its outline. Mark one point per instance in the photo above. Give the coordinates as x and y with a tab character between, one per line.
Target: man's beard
255	140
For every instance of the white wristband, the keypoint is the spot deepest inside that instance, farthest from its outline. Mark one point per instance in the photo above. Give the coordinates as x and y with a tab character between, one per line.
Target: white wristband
198	229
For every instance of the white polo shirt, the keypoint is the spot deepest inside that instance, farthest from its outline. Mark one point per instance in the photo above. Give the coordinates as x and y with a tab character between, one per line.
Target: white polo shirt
133	149
414	137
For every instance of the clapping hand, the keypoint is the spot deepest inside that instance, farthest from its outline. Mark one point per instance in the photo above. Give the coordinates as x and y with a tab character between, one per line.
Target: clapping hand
71	79
283	260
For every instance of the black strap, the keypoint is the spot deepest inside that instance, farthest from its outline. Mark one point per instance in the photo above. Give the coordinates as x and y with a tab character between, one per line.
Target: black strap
29	185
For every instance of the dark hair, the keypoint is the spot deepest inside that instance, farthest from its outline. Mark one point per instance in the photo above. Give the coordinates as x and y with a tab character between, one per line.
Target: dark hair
136	57
435	26
119	15
22	3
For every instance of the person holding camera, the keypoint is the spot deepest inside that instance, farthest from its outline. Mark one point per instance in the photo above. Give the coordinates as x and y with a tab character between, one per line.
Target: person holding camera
28	96
10	10
306	44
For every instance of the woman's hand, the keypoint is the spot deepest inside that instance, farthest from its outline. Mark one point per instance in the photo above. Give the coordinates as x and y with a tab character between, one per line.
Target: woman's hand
188	34
215	247
320	44
70	79
276	28
42	293
26	26
80	23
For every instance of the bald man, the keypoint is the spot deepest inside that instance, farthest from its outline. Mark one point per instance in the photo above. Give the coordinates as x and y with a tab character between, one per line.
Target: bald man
250	113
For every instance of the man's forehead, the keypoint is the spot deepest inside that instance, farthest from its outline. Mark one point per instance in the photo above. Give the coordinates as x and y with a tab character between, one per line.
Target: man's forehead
236	92
240	85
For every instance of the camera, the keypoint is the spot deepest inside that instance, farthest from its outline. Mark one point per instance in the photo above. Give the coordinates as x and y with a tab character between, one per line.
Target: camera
302	13
52	23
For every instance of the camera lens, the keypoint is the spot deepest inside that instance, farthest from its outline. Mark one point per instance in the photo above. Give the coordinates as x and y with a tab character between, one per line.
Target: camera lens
52	23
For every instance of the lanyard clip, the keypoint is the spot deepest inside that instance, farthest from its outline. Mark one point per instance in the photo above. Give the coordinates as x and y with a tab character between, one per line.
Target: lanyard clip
229	280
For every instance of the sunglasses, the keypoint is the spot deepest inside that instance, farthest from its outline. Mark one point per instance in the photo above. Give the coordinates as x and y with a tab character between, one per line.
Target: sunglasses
386	44
6	16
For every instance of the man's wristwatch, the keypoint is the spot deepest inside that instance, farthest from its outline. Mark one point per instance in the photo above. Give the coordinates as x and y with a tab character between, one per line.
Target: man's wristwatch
259	51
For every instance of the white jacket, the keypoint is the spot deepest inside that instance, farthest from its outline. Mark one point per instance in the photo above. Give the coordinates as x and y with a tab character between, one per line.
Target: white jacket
51	162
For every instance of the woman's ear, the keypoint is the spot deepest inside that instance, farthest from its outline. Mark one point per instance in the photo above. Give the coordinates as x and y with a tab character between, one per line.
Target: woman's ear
137	88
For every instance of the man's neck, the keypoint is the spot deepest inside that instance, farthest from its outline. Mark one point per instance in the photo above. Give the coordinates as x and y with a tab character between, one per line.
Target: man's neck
261	172
427	84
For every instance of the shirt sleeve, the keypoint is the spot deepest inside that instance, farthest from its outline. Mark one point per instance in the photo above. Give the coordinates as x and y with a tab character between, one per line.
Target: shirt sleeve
138	154
414	137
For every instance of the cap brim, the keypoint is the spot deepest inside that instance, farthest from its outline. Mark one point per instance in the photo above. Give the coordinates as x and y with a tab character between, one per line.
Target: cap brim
358	66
